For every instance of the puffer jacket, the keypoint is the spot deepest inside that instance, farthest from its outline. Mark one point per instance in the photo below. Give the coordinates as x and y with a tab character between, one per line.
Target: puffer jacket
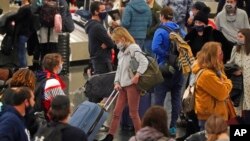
137	18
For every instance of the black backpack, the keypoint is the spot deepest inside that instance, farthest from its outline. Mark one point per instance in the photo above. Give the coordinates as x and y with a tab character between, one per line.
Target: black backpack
50	132
173	54
47	13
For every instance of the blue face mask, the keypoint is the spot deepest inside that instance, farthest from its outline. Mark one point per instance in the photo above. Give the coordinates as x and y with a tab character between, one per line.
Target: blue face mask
199	28
102	15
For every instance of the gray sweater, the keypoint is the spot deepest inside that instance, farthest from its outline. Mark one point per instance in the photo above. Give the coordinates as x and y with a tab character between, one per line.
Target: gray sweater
124	73
230	29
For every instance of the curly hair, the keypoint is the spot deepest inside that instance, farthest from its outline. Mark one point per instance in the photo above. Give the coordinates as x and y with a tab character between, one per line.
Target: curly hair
23	77
156	117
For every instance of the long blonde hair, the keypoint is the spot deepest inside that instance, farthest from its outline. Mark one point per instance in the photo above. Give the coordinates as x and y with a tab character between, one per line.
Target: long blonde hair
120	32
207	57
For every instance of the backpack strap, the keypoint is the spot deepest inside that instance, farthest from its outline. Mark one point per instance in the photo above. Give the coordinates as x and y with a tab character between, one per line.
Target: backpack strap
166	28
197	76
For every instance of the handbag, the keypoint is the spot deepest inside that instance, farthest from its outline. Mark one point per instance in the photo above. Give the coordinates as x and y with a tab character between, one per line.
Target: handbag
151	77
188	100
232	117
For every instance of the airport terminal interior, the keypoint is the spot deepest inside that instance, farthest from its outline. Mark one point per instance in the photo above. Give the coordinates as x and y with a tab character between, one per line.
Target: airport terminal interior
79	58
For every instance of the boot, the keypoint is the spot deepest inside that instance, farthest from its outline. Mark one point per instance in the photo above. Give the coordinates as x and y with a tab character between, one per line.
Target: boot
109	137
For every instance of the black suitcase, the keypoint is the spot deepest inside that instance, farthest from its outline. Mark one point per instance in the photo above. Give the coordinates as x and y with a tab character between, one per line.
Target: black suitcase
64	50
100	85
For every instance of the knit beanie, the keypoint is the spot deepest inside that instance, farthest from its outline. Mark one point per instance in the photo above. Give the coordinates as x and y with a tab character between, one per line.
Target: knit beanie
199	5
202	15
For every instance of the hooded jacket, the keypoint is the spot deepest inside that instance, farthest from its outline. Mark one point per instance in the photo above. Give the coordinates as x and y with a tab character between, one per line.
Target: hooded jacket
161	41
12	127
211	92
137	18
149	134
97	36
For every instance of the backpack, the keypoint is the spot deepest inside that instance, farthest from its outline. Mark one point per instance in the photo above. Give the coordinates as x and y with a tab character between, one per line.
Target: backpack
47	13
188	100
172	55
50	132
39	94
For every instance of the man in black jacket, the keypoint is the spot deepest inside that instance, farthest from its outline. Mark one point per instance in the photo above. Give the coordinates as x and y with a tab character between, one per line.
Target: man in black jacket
100	44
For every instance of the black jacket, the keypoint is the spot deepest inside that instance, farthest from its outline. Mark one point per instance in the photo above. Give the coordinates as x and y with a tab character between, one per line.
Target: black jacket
196	42
24	21
97	36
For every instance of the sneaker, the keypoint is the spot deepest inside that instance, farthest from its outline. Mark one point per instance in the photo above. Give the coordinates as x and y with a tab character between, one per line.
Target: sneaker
109	137
104	129
172	131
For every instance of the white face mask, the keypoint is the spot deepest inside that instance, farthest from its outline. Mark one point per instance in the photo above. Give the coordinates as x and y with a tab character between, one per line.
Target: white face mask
120	45
240	42
230	8
60	68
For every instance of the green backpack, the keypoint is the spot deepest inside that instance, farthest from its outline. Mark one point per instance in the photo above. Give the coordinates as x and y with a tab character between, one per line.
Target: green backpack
151	77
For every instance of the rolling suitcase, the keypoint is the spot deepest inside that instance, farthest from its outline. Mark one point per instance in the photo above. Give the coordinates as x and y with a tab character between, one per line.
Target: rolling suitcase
64	50
100	85
90	116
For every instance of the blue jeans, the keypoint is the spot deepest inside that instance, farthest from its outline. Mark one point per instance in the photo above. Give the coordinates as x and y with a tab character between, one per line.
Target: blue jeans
172	83
202	124
22	51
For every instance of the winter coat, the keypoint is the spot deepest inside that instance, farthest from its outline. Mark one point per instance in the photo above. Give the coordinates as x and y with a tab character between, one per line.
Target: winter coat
196	42
243	61
211	93
161	42
137	18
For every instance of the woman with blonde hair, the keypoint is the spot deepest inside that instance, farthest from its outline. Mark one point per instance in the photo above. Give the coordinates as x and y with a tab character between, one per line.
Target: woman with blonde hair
125	80
216	129
212	86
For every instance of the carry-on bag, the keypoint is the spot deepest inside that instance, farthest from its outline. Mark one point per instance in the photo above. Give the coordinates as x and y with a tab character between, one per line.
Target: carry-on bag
100	85
90	116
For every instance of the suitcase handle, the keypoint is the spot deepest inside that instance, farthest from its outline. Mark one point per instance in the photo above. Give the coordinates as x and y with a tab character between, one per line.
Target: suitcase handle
110	99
